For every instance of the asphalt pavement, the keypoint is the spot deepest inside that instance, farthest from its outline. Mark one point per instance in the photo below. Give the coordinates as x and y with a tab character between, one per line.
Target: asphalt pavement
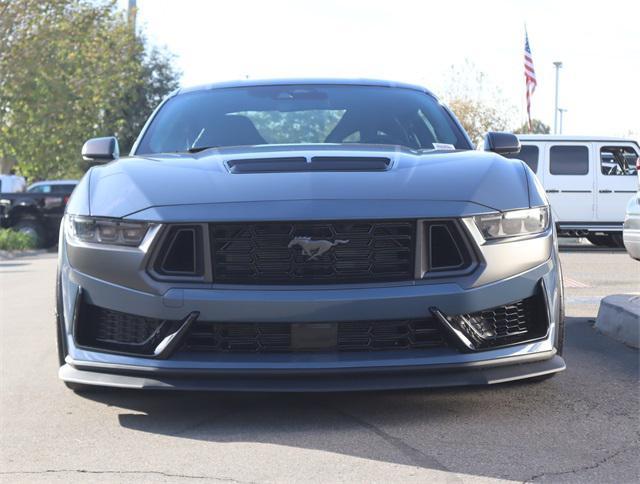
580	426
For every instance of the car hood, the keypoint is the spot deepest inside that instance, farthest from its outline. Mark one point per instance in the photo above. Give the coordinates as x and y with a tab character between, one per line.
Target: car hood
131	185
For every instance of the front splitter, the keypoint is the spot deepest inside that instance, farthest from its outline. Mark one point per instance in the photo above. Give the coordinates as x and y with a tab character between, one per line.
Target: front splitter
355	380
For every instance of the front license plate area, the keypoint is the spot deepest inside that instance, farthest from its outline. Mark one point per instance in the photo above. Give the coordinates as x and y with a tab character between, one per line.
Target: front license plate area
314	336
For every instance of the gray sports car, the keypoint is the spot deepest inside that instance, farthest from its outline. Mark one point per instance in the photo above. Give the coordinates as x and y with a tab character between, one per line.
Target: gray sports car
307	235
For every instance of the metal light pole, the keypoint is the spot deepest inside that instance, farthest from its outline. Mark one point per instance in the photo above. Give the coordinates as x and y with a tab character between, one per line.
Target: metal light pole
555	111
132	11
561	111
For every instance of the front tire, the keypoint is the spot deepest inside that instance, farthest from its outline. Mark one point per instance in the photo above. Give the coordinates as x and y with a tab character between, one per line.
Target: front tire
599	240
33	228
616	240
611	239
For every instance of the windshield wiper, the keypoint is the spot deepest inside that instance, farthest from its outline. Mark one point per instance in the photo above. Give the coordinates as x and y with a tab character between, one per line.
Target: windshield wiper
197	149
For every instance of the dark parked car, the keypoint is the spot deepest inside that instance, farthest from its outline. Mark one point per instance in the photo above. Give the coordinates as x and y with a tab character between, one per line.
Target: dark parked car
37	211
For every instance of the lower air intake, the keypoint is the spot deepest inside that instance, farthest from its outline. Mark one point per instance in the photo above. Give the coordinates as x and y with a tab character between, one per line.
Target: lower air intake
116	331
333	337
524	320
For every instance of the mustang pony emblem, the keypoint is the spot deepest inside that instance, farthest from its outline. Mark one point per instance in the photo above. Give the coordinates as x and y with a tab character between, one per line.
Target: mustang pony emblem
314	248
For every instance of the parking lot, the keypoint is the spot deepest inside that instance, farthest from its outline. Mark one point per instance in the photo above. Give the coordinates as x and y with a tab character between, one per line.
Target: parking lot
581	426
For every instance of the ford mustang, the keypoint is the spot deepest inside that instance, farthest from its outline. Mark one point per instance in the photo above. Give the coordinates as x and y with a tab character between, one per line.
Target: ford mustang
307	235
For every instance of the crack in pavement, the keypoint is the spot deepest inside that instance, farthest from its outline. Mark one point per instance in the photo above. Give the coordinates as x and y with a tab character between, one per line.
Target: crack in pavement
159	473
416	456
583	468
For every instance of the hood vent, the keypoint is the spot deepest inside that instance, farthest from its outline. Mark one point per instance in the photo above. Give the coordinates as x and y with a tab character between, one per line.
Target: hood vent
268	165
301	164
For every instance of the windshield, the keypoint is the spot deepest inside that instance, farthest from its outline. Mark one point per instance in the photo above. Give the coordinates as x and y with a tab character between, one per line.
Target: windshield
301	114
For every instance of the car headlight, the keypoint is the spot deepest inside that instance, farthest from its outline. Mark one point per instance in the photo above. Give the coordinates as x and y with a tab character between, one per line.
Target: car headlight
106	230
514	223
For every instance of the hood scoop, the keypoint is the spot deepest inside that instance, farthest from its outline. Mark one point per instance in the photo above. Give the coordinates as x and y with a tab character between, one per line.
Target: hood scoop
302	164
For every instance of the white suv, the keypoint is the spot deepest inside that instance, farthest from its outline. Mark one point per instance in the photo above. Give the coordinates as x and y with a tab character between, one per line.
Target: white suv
588	181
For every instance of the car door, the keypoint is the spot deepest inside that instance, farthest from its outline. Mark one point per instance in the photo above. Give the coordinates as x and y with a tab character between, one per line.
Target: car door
569	182
616	179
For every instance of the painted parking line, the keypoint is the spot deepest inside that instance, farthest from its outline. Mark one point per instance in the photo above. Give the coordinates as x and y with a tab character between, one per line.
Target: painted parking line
568	282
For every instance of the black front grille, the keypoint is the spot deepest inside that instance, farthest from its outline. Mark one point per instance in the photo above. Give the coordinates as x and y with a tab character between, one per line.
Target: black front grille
289	337
313	252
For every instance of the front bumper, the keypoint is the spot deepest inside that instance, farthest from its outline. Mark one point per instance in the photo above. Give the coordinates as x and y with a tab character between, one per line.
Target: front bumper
431	367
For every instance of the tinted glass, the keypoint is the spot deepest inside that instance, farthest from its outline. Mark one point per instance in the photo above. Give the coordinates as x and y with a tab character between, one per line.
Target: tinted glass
618	160
569	160
40	189
62	188
301	114
528	154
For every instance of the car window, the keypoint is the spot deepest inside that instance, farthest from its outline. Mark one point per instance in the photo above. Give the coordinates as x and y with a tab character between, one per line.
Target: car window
301	114
569	160
40	189
62	188
312	126
618	160
529	154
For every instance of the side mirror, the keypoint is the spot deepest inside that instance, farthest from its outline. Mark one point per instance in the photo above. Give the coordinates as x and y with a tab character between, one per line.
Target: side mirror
502	143
101	150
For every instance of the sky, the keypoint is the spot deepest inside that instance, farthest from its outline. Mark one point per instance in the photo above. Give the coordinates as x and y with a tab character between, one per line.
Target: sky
418	42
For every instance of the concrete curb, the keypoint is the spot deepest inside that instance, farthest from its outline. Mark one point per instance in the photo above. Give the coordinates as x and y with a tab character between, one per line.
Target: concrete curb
15	254
619	318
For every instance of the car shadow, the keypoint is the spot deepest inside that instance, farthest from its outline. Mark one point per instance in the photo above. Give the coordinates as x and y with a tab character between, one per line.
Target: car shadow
412	428
367	425
430	429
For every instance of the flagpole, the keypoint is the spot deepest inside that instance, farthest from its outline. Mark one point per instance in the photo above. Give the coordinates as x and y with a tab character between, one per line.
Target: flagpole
558	65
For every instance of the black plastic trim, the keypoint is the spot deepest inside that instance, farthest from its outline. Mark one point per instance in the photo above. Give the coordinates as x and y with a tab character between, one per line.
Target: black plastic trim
341	379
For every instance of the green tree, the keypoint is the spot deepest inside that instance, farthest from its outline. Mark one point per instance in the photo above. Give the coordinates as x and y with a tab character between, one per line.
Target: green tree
477	117
537	127
71	70
478	105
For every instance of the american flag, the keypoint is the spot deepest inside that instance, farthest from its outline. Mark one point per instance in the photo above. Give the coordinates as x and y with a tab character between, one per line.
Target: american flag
529	74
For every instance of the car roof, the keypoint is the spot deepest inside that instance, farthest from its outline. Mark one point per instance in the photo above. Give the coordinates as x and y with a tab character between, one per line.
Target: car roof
54	182
303	81
564	137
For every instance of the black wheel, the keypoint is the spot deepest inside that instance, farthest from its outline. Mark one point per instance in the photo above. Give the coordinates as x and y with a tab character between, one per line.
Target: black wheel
32	227
60	338
600	240
616	240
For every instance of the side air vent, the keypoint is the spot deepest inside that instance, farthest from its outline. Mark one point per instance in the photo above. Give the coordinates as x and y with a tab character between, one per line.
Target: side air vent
446	247
301	164
181	253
